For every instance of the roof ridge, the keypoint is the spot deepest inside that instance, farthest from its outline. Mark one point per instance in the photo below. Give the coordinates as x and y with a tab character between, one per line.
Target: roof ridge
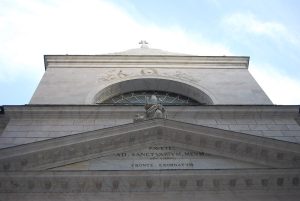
147	51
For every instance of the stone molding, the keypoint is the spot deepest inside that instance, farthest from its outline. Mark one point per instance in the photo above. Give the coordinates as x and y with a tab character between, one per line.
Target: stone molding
140	61
97	111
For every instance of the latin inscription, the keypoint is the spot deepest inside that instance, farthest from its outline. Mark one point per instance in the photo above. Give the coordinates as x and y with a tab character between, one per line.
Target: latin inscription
160	152
170	165
161	157
152	157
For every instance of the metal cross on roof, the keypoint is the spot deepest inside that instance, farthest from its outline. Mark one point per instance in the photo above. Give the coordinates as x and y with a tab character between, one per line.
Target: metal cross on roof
144	44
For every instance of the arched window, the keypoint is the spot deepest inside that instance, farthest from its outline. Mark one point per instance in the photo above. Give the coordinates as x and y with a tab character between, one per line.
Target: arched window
170	91
140	97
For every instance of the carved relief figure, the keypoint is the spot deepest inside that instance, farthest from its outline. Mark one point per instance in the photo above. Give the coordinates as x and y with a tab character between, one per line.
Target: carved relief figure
117	74
114	74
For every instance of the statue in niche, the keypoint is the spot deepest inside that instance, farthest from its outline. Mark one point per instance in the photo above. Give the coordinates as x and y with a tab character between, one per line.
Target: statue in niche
154	110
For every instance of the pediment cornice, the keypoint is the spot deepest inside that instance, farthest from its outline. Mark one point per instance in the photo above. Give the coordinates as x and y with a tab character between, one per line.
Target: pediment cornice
98	111
65	150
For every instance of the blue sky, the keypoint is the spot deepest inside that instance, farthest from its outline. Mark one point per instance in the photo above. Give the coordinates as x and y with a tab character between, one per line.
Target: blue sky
266	30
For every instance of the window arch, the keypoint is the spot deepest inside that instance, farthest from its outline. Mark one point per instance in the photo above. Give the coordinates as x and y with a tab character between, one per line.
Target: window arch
150	84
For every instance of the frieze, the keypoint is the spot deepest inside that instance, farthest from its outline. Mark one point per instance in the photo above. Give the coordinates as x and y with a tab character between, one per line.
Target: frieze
206	180
116	74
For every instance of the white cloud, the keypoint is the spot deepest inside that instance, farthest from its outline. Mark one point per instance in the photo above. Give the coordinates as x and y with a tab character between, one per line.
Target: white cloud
247	22
282	89
33	28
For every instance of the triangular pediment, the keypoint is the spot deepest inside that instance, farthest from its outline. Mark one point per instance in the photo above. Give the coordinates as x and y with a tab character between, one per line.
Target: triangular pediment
99	145
148	51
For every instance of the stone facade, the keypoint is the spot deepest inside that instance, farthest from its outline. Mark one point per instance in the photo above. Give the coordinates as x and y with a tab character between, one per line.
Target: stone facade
88	79
67	145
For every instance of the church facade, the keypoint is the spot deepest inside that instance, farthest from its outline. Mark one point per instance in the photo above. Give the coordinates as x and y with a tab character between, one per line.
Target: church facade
148	124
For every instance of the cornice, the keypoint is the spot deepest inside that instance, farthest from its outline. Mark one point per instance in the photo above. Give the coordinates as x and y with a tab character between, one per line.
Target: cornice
134	61
98	111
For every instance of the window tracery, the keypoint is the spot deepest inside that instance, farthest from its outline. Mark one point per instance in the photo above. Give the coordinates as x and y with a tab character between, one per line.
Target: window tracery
140	97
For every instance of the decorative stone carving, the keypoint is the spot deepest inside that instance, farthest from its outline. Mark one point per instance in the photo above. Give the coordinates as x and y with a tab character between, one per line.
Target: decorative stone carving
199	183
166	183
216	183
218	144
280	156
91	182
131	140
14	184
98	185
113	75
202	141
248	150
6	166
64	185
264	153
124	73
149	184
232	182
149	71
188	138
280	181
24	162
30	184
249	182
115	185
296	181
233	147
264	182
182	183
138	118
47	185
133	184
154	110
